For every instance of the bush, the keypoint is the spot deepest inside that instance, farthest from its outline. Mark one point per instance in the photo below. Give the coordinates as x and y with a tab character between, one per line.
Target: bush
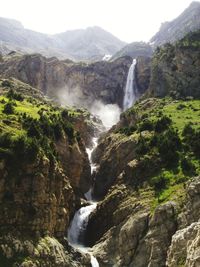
159	182
192	139
127	130
9	108
162	124
188	167
57	129
6	83
146	125
188	131
33	130
142	146
65	114
13	95
69	130
169	144
5	140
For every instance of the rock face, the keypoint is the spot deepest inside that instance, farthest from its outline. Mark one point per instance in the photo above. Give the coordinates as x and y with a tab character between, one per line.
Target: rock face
138	223
97	42
112	154
134	50
172	31
39	195
143	73
43	199
75	164
184	249
131	236
71	83
175	69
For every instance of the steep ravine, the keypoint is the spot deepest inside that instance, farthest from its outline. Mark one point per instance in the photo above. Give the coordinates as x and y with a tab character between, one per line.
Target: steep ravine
78	225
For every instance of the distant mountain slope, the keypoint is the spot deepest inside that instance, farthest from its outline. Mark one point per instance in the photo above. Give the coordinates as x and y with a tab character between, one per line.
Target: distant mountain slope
88	44
176	29
134	50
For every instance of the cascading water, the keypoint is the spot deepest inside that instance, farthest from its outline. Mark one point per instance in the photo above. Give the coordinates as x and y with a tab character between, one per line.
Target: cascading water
79	223
130	94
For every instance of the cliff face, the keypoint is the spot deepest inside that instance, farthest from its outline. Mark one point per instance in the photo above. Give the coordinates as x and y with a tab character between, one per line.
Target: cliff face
71	83
149	199
44	170
77	83
175	68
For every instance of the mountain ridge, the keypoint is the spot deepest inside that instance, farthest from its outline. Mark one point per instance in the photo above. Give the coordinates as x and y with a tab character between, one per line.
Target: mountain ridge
81	44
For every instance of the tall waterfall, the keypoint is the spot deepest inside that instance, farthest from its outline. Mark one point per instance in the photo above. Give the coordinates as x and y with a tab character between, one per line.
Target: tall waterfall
79	223
130	94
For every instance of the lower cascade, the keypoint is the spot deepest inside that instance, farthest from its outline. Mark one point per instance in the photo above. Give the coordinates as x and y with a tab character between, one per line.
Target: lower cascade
130	94
79	223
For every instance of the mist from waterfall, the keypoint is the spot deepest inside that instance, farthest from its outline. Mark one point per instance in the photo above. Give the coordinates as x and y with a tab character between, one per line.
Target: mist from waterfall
130	94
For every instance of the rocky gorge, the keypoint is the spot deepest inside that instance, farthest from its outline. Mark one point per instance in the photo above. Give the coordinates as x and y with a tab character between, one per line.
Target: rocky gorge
146	167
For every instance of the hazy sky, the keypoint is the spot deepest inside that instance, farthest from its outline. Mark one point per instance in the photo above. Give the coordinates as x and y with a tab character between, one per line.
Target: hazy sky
129	20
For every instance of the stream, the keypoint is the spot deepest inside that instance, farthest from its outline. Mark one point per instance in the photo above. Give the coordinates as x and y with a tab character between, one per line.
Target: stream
79	222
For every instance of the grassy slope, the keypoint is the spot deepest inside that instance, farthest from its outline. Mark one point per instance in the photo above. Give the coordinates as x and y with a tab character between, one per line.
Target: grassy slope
181	113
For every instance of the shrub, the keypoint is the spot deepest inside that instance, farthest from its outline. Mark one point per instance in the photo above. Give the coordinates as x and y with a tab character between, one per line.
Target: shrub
57	129
6	83
159	182
13	95
169	144
162	124
5	140
127	130
146	125
187	166
65	114
142	146
181	106
69	130
9	108
188	131
33	130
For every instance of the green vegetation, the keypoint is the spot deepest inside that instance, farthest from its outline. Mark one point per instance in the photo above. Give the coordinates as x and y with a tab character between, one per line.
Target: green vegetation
30	128
168	145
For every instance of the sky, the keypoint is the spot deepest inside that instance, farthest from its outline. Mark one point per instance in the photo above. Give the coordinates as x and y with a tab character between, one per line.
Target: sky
129	20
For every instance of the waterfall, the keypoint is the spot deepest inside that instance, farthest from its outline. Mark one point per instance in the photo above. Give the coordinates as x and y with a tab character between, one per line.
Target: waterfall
130	94
79	223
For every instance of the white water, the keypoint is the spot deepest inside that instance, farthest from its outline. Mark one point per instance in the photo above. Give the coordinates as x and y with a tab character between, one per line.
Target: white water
79	223
130	94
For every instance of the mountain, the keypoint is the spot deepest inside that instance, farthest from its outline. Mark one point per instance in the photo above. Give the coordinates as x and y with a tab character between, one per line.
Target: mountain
176	29
92	43
134	50
88	44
